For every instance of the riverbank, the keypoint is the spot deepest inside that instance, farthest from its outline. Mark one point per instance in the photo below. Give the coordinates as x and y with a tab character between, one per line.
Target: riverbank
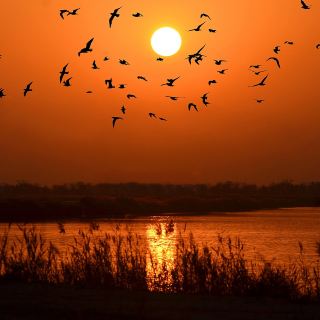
35	301
25	202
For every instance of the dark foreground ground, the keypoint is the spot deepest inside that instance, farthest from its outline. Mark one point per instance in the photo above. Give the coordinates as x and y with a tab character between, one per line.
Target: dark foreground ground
22	301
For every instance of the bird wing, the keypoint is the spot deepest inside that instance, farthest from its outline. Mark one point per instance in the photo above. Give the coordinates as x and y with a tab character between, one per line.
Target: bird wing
62	12
89	43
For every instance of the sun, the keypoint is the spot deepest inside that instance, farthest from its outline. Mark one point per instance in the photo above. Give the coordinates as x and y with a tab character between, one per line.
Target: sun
166	41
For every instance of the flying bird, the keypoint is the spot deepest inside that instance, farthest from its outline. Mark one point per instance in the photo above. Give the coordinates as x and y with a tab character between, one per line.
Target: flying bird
124	62
106	59
87	48
212	82
89	91
142	78
67	83
259	100
137	15
160	59
257	73
223	71
27	89
192	105
289	42
63	72
123	109
131	96
205	99
276	61
122	86
219	62
255	66
304	5
114	14
114	120
163	119
170	82
198	28
109	83
318	46
173	98
213	30
74	12
94	65
261	83
152	115
204	15
276	49
2	93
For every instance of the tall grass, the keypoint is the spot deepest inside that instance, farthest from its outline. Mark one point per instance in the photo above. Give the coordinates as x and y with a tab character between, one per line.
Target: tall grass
124	261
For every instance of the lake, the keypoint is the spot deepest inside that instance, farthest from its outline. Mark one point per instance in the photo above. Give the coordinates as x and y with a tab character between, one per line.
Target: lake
273	235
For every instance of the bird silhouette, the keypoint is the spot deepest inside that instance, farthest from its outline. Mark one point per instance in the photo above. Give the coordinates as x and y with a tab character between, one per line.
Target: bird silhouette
173	98
2	93
261	83
87	48
198	28
67	83
122	86
276	49
114	120
142	78
89	91
124	62
152	115
205	99
212	82
94	65
106	59
213	30
170	82
109	83
219	62
257	73
137	15
204	15
289	42
63	72
255	66
192	105
276	61
318	46
62	13
123	109
259	100
114	14
27	89
163	119
74	12
223	71
160	59
131	96
196	56
304	5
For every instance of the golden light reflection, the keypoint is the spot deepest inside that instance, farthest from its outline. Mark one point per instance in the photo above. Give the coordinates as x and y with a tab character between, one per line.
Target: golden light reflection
161	242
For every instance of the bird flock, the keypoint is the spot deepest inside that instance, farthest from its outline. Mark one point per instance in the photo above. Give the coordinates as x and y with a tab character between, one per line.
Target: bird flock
196	58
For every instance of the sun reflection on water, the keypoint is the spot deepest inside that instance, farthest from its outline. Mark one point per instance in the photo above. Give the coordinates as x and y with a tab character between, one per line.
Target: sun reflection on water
161	237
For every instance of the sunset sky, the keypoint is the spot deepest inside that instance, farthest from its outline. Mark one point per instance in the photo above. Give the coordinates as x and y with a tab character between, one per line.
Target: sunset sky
57	134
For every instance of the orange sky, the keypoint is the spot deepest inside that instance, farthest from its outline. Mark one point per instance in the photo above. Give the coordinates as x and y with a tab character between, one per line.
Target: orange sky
59	134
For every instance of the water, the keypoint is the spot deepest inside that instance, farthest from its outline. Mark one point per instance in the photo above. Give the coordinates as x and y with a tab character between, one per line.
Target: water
271	234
